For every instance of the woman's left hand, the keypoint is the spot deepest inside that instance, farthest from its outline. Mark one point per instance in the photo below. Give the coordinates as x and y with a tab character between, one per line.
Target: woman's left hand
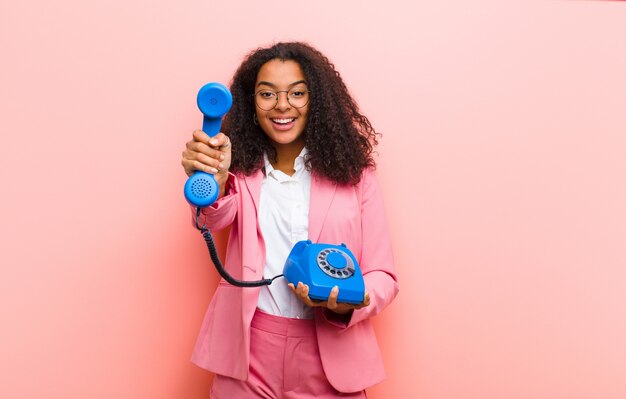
302	292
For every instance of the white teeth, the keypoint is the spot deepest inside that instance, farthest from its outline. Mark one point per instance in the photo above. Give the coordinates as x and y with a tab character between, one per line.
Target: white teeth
283	120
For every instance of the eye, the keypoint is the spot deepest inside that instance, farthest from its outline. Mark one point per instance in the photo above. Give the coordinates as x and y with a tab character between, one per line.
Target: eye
266	94
297	93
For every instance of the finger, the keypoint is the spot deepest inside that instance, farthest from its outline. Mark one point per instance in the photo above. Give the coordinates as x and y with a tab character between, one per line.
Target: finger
299	290
366	300
303	290
197	165
212	162
332	298
220	140
216	141
223	141
207	156
307	299
194	146
201	137
202	158
192	166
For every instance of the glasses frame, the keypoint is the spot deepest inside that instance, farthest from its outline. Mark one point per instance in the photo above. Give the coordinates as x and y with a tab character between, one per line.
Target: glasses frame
278	98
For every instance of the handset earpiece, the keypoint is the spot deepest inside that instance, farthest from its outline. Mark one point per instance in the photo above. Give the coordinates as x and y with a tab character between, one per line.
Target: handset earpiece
214	100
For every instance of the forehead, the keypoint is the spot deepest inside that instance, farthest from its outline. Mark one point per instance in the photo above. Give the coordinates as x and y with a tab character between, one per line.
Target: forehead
280	73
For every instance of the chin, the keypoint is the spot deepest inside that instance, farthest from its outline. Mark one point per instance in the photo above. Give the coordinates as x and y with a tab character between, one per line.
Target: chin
283	140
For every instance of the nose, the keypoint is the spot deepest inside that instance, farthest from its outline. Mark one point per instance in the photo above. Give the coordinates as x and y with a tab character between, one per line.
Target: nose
282	101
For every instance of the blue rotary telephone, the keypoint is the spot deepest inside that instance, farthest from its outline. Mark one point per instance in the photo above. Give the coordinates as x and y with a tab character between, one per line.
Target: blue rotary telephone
323	266
320	266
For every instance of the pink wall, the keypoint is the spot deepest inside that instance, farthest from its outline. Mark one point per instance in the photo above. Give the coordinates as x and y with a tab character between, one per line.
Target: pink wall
503	167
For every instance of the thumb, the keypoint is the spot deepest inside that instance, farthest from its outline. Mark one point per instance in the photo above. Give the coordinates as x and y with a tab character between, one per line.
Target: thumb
226	147
220	141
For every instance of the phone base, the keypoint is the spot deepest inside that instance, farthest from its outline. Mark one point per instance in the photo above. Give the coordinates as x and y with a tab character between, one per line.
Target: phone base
324	266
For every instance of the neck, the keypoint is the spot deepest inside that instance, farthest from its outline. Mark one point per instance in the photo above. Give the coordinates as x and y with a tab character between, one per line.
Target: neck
286	155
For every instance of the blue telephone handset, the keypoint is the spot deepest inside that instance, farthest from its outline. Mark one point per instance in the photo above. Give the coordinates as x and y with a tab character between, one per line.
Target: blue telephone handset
323	266
214	101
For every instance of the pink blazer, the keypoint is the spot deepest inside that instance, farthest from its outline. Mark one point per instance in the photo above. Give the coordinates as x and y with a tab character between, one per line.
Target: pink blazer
353	215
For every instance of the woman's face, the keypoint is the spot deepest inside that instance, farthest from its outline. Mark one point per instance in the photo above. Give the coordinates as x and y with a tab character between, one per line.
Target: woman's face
284	123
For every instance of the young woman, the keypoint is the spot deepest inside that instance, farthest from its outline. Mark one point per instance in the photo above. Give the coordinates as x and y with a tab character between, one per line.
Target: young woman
294	162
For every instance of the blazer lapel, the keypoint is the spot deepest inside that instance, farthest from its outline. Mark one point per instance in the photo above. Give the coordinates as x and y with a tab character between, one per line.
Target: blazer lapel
253	183
322	193
253	262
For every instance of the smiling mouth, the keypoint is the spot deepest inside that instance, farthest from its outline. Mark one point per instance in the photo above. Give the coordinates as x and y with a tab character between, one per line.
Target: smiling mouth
283	121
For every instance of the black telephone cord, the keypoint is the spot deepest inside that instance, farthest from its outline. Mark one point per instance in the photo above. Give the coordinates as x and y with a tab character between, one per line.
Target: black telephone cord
208	238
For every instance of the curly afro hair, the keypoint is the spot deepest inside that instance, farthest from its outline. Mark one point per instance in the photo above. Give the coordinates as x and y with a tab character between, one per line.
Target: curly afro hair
339	139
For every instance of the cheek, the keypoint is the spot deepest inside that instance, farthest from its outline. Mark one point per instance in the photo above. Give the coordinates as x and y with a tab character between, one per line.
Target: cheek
263	121
304	116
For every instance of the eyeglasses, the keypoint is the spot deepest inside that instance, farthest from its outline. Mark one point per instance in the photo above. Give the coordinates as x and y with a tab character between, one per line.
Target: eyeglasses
267	99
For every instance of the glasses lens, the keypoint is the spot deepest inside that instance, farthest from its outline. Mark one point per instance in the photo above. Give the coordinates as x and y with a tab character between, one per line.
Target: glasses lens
298	97
266	99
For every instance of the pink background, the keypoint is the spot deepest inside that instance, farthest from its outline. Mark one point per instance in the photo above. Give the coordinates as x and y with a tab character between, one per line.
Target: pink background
502	163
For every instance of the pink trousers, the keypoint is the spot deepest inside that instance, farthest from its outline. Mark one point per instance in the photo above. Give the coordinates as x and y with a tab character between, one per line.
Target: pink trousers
284	364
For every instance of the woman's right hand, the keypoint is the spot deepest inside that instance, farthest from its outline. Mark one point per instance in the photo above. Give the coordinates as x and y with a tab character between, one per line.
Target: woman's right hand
208	154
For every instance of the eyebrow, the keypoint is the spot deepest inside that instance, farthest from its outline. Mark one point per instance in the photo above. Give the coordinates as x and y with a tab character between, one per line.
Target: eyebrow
274	86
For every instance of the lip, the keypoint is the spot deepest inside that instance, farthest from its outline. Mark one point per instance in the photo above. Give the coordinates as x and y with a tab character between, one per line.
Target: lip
283	117
283	126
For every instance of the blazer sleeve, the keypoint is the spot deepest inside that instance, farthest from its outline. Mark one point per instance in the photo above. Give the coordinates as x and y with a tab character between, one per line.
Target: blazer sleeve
376	261
220	214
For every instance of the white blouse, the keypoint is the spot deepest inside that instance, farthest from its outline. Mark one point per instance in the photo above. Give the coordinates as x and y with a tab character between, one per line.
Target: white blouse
284	220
